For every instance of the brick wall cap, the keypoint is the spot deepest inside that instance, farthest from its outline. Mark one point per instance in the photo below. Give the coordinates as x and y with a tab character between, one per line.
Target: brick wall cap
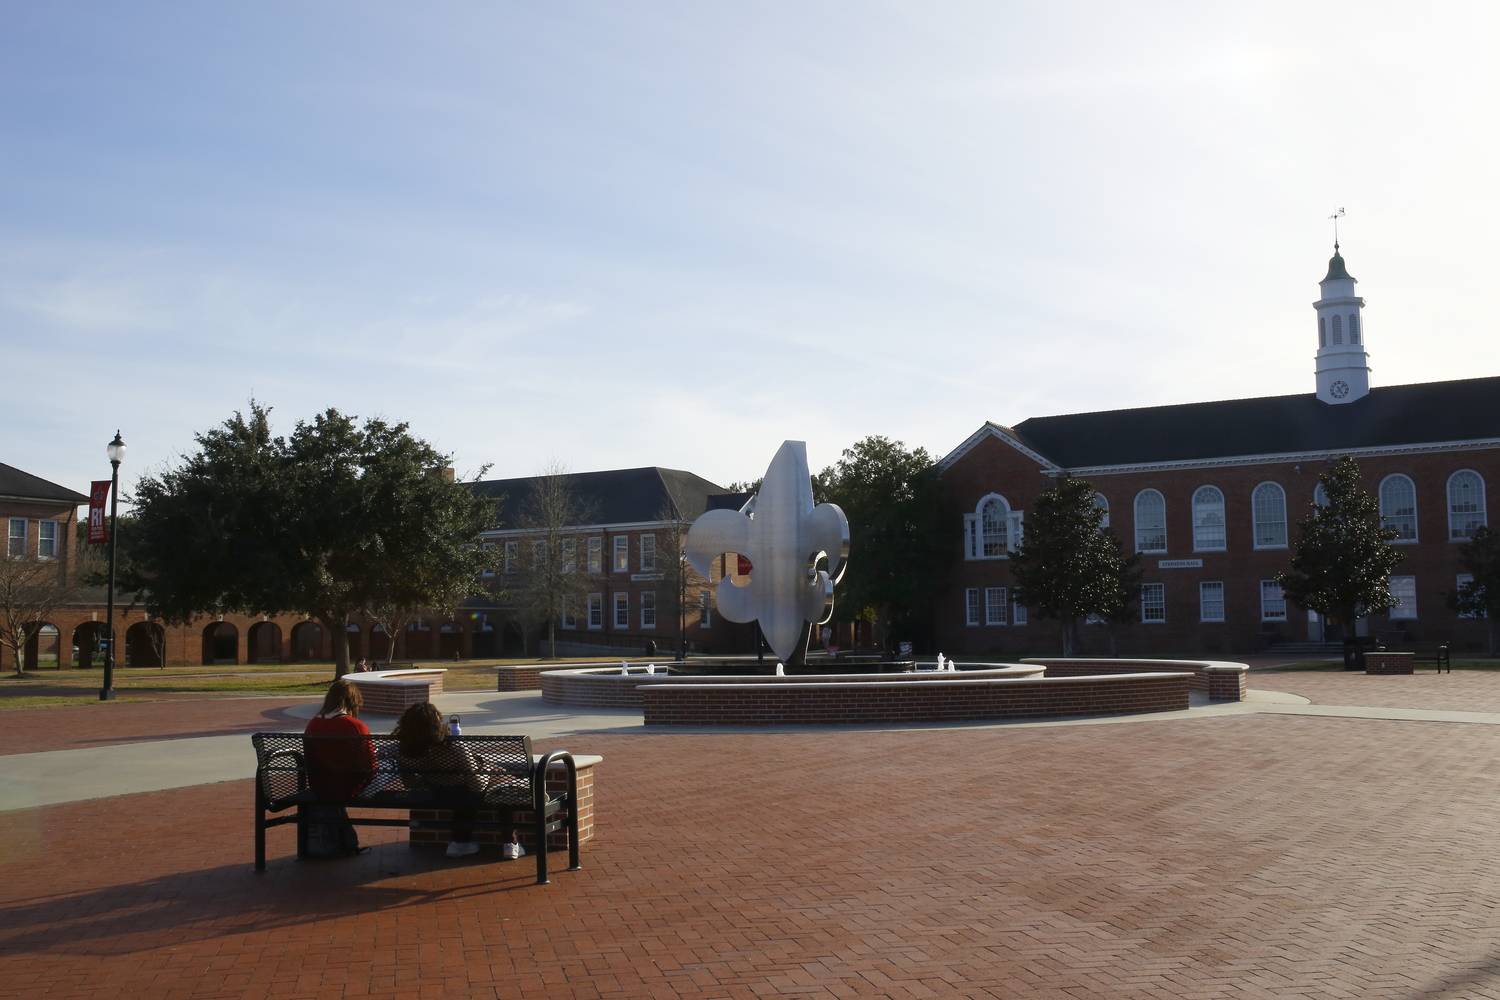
1010	670
981	681
1063	661
580	760
398	677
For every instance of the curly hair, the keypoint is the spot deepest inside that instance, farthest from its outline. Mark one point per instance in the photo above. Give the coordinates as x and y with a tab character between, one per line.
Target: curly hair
420	728
342	696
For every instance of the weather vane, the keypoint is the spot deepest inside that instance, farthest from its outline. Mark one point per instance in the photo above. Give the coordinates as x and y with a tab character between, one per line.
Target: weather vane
1336	216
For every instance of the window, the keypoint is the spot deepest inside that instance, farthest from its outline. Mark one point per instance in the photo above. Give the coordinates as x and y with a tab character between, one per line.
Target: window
648	609
1404	590
596	555
648	553
1150	522
622	611
1398	507
1211	601
486	547
1208	519
1354	328
971	606
1268	507
570	555
1153	602
1466	512
1272	602
622	553
512	557
596	611
994	605
1322	333
46	542
17	537
1338	329
569	619
1460	582
538	555
705	609
1018	614
1103	505
993	517
1320	495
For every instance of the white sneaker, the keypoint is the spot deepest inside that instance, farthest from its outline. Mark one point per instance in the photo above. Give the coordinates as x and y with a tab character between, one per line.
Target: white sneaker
457	849
509	851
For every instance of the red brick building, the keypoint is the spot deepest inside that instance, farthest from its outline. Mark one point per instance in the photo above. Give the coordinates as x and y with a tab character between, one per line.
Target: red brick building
1210	493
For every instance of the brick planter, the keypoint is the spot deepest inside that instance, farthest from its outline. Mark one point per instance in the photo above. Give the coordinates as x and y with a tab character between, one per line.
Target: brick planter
1389	663
557	781
391	692
1209	676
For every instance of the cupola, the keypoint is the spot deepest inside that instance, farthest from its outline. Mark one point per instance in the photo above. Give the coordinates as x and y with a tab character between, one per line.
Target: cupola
1343	369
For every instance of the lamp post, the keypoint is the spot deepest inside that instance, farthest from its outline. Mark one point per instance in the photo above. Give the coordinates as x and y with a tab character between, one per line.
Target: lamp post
116	451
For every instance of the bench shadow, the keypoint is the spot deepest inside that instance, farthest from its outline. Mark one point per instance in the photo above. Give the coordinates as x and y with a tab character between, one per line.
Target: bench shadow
271	720
232	899
1461	983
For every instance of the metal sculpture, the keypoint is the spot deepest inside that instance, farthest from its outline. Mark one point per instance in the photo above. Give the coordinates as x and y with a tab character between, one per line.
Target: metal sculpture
783	541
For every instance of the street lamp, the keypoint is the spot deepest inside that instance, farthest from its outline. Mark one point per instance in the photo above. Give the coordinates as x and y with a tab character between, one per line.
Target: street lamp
116	451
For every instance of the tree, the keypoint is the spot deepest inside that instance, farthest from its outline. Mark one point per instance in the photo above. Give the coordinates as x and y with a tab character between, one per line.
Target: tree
1068	566
899	526
1480	596
683	585
1342	562
552	583
334	520
31	591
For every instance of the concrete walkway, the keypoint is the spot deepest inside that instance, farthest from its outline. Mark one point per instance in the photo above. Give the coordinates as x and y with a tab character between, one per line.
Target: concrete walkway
49	778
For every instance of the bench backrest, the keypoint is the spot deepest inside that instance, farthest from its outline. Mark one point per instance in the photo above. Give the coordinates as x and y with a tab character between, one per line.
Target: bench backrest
354	768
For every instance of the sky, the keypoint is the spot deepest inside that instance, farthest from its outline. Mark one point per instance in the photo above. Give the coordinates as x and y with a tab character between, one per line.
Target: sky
611	235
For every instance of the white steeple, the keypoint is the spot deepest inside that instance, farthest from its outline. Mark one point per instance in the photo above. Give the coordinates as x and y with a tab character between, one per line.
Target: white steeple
1343	365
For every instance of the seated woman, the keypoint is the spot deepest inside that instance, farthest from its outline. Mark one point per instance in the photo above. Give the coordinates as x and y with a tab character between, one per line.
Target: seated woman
338	768
457	779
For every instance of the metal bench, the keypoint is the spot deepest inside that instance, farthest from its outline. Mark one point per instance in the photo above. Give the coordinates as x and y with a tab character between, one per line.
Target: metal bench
515	789
1434	653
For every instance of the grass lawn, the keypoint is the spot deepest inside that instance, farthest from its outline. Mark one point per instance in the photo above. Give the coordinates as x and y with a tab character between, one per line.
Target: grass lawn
81	686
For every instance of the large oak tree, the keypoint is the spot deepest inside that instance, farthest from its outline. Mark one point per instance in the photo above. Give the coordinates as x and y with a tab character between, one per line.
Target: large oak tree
333	520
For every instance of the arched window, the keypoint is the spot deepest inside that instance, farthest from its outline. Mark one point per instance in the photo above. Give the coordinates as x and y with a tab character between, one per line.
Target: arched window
1338	329
1320	495
1150	522
1322	332
1208	519
1354	328
994	517
1268	504
1398	506
1466	512
1103	505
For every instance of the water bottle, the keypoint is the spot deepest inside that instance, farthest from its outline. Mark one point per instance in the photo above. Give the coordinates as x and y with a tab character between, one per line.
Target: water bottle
454	728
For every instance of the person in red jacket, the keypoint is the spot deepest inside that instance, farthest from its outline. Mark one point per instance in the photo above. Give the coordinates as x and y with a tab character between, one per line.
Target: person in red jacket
338	768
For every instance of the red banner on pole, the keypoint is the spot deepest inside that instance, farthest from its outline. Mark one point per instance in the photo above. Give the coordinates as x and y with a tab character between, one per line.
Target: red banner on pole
98	495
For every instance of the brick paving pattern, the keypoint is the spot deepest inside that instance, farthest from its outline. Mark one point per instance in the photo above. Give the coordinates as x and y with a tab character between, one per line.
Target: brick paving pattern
71	727
1460	691
1246	856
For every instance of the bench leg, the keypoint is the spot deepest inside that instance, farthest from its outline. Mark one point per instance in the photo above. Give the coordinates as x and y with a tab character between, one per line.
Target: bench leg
260	838
301	835
573	863
541	847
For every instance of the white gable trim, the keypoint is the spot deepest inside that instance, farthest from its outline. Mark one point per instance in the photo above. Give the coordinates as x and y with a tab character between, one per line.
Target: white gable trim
1291	456
1004	434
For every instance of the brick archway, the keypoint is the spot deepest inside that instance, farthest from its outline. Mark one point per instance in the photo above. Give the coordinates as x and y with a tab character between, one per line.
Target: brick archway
145	645
221	644
263	643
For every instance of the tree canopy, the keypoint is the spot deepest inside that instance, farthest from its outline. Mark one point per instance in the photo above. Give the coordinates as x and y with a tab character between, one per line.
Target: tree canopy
1479	597
1342	560
1067	565
333	520
900	531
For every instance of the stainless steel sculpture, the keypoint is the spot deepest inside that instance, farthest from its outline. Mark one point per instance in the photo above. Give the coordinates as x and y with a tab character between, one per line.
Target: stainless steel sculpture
784	539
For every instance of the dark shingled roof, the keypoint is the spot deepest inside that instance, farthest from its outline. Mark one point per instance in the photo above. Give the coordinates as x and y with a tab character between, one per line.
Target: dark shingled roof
23	485
1390	416
622	496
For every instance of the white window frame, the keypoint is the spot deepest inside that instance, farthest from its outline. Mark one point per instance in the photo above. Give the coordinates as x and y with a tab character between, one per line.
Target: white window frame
1462	523
596	610
1458	584
973	606
13	536
1263	538
485	547
705	609
512	557
1102	502
622	609
1385	517
1210	593
1013	522
1320	495
1271	597
1139	531
1406	607
994	606
1210	533
1017	613
648	609
570	555
569	616
596	554
539	554
1154	598
42	547
622	554
648	553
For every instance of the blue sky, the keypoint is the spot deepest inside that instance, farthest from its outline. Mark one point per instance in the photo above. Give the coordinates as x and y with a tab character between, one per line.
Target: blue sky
675	234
